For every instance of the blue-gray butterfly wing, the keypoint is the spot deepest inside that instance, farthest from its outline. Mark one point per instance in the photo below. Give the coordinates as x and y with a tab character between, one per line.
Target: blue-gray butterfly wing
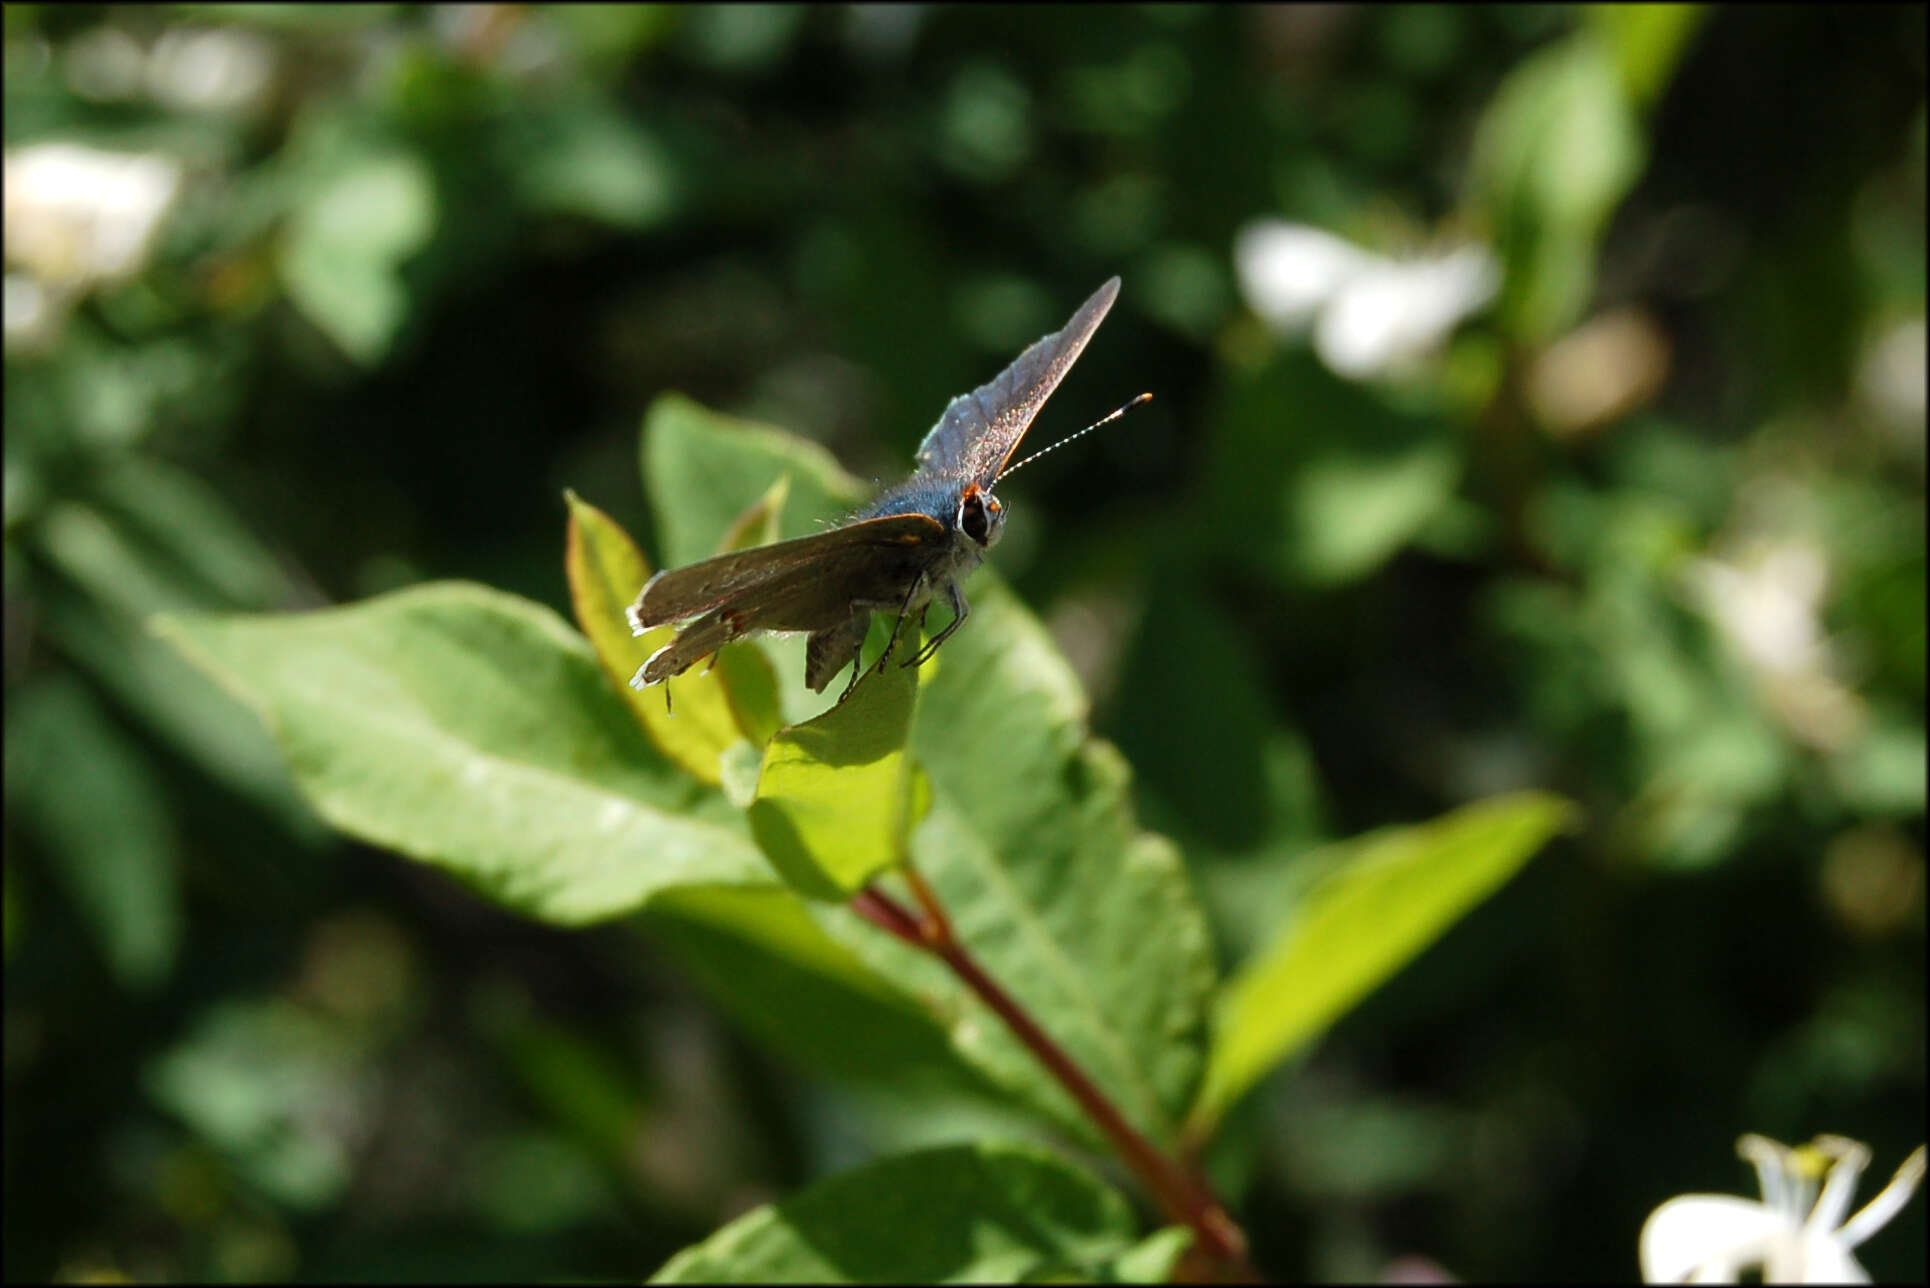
976	436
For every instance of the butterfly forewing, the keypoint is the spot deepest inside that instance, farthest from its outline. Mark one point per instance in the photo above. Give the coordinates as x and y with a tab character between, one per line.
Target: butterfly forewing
678	593
839	576
977	434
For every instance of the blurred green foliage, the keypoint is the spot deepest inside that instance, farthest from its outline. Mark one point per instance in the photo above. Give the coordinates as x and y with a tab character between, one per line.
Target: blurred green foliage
1647	531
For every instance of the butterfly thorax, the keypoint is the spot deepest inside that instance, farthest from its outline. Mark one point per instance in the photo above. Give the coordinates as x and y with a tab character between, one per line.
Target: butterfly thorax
972	518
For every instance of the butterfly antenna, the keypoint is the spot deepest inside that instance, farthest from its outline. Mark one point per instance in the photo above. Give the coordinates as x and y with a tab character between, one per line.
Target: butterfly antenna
1103	421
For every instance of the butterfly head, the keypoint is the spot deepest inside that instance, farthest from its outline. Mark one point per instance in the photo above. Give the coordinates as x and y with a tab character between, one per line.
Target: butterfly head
980	516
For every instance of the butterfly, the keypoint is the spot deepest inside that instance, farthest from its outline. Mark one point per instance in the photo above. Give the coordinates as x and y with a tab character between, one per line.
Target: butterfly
911	545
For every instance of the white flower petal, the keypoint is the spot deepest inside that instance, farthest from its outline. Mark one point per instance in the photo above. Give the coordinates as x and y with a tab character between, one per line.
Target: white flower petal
1851	1157
1824	1259
1389	312
1289	272
1877	1213
222	69
1709	1238
77	215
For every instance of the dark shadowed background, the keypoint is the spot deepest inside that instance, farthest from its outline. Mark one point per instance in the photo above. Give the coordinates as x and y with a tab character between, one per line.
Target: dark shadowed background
1539	402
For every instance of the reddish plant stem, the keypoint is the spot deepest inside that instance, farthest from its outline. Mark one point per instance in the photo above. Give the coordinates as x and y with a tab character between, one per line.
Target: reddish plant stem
875	907
1182	1194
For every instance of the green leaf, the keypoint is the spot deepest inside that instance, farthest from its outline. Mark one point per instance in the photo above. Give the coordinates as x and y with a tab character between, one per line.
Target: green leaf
1153	1259
156	687
1394	893
473	730
980	1213
839	1019
346	245
585	158
1647	41
118	567
246	1079
1352	514
1882	773
1554	155
1212	754
838	794
1328	478
605	572
703	470
762	523
173	517
1030	840
88	794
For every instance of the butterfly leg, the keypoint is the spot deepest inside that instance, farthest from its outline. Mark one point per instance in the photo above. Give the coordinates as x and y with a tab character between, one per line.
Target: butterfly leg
856	673
960	611
917	584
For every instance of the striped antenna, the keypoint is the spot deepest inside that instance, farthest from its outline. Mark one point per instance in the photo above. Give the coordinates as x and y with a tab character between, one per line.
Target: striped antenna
1053	447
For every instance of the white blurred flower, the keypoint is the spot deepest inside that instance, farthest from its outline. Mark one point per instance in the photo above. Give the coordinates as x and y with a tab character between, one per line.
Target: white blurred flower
219	69
1769	607
1288	272
1793	1235
29	313
1368	313
104	64
1892	378
76	215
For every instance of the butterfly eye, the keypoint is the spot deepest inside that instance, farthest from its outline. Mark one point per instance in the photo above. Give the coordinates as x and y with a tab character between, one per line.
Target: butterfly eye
975	514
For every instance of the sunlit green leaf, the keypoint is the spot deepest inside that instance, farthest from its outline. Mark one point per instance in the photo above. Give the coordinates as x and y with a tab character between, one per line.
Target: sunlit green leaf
982	1213
1153	1258
838	793
1394	893
1647	41
761	523
839	1018
473	730
605	572
703	470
